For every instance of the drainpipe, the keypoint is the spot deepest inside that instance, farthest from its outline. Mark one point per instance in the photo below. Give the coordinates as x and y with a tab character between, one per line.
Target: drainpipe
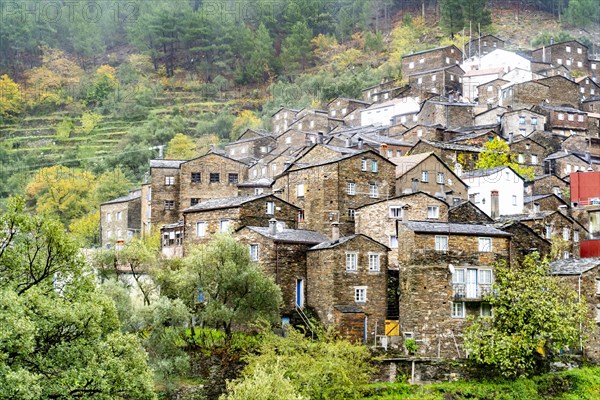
580	323
277	263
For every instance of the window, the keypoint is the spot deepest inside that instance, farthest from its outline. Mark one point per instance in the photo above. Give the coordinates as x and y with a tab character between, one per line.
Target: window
579	64
576	236
270	207
458	309
300	190
570	117
373	262
507	173
373	166
451	77
395	212
433	78
433	212
534	120
548	231
390	153
521	158
536	207
447	60
351	261
411	65
419	81
485	245
490	88
200	229
169	180
486	310
424	176
288	140
522	120
233	178
421	61
373	191
108	217
215	177
441	243
597	286
258	191
194	201
351	214
393	242
514	200
119	215
580	118
351	186
196	177
561	116
568	49
559	61
534	159
363	165
593	66
440	177
579	50
360	294
569	62
254	252
566	234
224	226
301	216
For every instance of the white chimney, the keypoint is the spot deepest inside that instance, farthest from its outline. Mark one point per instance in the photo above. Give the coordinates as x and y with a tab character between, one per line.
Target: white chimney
335	231
272	227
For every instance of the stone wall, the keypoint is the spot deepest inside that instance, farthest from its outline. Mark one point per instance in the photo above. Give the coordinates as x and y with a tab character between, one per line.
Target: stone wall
433	167
545	185
114	219
330	285
162	192
468	213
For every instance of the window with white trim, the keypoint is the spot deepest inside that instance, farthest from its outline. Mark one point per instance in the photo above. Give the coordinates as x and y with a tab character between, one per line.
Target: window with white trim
300	190
201	229
566	234
224	225
393	241
458	309
424	176
351	187
441	243
360	294
485	245
597	286
534	159
351	214
548	231
433	212
363	165
351	261
108	217
373	191
270	207
169	204
374	262
254	252
440	177
396	212
576	236
561	116
169	180
485	310
374	166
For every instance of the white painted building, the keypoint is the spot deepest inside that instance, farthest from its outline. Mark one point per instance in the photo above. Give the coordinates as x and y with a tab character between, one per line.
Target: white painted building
505	59
383	113
473	78
496	191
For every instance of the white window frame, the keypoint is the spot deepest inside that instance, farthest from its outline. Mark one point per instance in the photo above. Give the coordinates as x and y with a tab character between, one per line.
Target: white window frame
374	262
534	159
393	241
433	212
363	164
481	312
485	244
373	165
201	228
373	191
440	178
253	251
441	243
514	199
300	190
351	261
360	294
396	210
575	236
224	225
425	176
458	309
566	233
169	180
351	188
270	208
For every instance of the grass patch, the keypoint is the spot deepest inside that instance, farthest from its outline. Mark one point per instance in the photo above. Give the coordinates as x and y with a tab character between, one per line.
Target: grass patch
577	384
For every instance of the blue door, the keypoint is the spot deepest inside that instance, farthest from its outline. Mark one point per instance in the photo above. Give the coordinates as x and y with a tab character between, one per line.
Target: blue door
300	293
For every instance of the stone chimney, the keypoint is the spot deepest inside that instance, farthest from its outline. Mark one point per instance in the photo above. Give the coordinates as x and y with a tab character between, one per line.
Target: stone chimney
320	138
562	209
405	210
335	231
272	227
510	138
348	142
415	185
360	143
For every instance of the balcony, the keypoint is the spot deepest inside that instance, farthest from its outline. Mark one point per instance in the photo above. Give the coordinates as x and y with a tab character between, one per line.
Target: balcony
470	292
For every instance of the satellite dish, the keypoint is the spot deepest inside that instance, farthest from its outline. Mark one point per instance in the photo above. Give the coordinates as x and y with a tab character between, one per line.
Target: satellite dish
451	268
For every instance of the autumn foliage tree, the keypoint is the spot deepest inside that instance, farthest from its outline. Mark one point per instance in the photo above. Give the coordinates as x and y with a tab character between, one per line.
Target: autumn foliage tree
11	101
496	153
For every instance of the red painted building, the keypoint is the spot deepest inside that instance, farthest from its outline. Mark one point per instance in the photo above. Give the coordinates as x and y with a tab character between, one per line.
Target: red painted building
590	248
585	188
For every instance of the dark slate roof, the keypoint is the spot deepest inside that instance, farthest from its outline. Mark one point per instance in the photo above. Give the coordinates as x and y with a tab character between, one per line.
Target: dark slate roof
350	100
291	235
562	154
383	139
526	217
453	229
573	266
333	243
400	196
471	135
134	194
348	309
482	172
166	163
529	199
429	71
428	50
225	202
173	226
261	182
452	146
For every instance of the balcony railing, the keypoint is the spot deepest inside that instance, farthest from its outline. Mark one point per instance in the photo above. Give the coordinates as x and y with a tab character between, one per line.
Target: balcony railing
474	292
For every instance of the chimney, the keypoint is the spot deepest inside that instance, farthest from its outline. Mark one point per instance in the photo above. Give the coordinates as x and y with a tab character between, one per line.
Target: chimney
415	185
320	138
272	227
360	143
405	209
458	169
562	209
348	142
510	138
335	231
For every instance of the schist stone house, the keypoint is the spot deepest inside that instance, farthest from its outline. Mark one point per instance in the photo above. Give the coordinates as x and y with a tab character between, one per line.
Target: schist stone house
371	211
